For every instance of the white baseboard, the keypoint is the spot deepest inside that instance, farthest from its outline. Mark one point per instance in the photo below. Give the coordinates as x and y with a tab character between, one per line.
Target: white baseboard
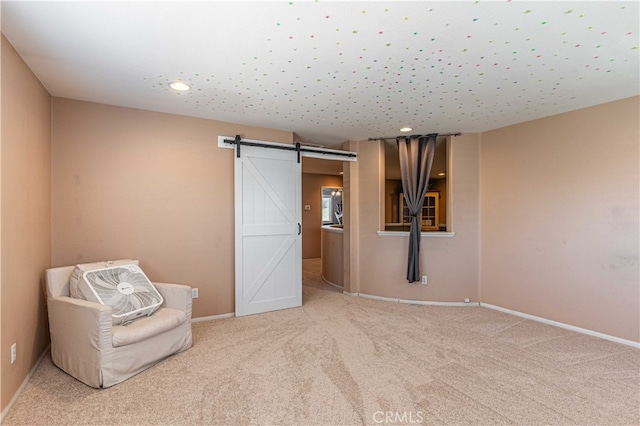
339	287
213	317
563	325
24	383
505	310
412	302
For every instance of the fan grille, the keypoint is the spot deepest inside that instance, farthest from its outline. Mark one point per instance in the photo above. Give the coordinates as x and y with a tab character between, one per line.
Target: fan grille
125	288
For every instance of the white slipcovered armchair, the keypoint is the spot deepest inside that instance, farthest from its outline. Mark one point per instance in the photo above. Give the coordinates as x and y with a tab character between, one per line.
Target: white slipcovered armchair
86	345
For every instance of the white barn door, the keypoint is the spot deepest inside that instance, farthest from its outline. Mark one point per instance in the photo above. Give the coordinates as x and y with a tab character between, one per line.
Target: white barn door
268	230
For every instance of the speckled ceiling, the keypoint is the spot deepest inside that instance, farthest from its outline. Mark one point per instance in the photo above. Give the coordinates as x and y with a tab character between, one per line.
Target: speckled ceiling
332	71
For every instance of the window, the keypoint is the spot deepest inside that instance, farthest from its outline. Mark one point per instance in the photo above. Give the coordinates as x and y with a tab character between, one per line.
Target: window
326	209
331	205
434	210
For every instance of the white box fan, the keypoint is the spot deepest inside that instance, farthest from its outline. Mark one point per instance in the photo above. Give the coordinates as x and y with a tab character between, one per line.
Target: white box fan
124	287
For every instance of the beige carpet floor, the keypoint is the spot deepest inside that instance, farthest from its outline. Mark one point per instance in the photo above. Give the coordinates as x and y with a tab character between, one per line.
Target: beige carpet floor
341	360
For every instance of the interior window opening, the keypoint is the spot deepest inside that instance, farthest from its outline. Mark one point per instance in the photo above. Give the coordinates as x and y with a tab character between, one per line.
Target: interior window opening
434	210
331	205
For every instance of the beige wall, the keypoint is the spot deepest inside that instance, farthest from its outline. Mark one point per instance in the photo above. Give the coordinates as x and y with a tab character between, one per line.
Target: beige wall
440	185
350	213
2	404
391	201
451	264
333	255
560	218
25	227
149	186
312	219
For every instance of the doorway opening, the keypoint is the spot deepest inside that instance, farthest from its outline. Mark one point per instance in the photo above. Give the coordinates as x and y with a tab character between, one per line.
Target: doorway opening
322	218
268	220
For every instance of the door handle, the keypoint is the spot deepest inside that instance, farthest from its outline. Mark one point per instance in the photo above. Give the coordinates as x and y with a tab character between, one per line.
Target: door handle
299	228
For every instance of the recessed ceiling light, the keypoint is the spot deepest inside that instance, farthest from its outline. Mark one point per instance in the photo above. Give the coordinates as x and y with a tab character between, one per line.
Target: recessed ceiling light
406	129
442	174
179	86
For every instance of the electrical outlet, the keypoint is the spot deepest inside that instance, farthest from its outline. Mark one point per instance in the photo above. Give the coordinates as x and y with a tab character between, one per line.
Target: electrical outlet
14	349
194	293
424	279
466	300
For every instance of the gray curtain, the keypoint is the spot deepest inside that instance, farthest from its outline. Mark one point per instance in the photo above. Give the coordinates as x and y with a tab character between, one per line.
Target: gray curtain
416	158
